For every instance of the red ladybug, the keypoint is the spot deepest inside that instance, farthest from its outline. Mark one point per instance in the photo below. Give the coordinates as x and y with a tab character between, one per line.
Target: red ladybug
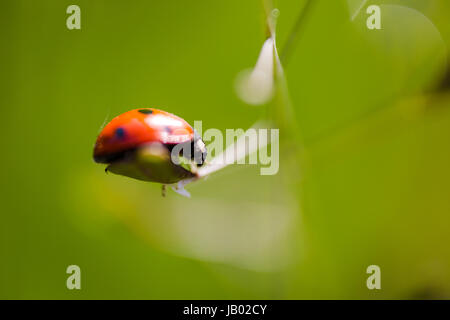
138	144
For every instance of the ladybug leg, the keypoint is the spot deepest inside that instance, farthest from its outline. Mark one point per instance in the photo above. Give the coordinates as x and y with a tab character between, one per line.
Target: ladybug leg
179	188
106	170
164	190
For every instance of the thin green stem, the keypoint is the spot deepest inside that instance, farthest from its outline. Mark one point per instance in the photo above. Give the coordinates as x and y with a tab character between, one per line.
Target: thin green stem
296	30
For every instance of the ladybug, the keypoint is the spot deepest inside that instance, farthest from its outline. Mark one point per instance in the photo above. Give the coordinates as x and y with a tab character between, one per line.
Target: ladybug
140	144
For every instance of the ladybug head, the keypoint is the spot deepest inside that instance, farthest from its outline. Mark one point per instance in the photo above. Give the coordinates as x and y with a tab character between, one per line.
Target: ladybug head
198	148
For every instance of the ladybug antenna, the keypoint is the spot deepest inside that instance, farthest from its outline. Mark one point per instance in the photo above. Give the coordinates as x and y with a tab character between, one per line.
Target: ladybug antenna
105	121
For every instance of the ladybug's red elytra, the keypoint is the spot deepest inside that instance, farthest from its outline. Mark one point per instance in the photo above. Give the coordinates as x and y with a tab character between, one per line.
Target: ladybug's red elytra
138	144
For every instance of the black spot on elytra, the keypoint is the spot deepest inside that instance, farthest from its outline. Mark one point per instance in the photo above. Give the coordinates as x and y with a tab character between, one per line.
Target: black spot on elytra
146	111
120	132
167	129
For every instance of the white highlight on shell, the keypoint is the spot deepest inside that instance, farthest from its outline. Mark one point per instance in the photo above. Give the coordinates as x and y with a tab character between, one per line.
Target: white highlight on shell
160	120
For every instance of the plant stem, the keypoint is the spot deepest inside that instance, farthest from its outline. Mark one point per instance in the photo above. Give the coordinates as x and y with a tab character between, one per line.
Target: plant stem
299	24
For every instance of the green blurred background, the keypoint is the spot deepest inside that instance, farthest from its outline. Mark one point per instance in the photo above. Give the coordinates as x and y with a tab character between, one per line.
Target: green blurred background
370	183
